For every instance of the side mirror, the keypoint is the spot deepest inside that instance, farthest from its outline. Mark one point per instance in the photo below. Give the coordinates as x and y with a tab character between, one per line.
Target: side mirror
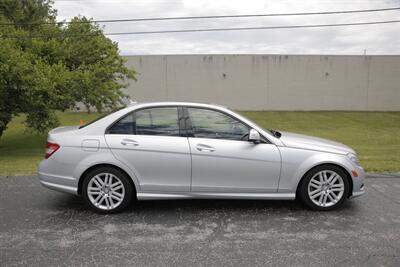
254	136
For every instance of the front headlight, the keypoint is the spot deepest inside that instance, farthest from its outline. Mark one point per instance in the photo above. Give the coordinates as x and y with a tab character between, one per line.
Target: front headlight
354	158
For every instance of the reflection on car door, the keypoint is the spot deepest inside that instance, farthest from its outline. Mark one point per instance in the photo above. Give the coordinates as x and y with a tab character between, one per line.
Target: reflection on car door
223	162
150	143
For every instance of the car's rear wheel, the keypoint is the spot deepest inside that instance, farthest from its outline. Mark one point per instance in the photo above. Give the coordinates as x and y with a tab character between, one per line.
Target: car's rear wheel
325	187
107	190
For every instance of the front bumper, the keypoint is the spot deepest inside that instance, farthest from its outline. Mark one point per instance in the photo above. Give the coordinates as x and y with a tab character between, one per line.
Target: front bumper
358	183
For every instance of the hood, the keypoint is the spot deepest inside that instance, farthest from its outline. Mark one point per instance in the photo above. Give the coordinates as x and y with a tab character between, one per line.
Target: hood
313	143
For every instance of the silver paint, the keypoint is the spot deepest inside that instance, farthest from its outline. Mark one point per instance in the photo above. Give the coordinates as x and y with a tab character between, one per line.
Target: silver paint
175	167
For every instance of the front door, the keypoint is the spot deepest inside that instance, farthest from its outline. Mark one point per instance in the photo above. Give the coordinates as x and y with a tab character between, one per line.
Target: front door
224	161
150	143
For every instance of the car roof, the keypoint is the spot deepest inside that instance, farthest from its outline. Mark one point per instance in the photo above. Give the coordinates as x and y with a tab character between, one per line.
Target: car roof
136	105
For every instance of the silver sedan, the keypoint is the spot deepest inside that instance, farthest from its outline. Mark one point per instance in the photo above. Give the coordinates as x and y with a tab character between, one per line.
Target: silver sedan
174	150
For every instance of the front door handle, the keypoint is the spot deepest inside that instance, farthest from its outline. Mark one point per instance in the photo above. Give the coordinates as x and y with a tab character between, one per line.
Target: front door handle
203	147
129	142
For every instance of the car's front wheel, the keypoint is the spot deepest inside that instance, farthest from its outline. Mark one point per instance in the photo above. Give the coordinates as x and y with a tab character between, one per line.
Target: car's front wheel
325	187
107	190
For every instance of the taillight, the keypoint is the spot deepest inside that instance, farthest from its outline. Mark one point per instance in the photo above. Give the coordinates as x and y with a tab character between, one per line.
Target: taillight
50	149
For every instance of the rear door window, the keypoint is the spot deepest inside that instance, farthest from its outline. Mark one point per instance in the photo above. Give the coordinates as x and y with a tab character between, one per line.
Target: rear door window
159	121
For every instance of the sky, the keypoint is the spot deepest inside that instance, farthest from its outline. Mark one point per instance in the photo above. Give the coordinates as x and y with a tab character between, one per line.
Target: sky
357	40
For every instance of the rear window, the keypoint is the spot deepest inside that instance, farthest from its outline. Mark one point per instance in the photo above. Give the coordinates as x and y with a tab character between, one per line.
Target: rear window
99	118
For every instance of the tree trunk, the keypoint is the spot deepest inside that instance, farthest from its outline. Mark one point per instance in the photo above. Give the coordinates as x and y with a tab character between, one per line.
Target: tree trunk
5	118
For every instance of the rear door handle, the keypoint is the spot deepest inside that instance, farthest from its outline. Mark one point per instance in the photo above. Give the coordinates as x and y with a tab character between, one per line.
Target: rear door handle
129	142
203	147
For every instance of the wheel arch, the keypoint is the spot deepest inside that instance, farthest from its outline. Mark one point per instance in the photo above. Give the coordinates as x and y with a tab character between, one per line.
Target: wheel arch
81	178
348	176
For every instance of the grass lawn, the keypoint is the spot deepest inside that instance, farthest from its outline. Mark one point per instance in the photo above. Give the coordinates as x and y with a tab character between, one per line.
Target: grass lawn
374	135
21	150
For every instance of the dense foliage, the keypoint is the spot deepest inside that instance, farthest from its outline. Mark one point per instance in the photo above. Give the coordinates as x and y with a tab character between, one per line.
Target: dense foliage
47	66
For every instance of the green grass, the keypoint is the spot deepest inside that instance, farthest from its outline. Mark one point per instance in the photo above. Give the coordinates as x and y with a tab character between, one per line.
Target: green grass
21	150
374	135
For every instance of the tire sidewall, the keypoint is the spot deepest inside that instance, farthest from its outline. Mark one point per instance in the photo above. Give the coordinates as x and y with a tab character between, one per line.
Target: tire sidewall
303	189
129	190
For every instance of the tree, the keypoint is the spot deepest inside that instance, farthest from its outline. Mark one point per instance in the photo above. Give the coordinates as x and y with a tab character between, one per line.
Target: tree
45	66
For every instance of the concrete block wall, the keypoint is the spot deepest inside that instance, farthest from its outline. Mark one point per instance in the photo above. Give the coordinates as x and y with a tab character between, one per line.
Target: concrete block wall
270	82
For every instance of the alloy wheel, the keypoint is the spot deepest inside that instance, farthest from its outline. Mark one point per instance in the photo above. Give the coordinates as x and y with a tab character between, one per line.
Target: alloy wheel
326	188
106	191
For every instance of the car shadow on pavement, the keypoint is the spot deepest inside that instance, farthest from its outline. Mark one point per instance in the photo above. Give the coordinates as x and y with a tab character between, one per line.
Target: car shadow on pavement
64	201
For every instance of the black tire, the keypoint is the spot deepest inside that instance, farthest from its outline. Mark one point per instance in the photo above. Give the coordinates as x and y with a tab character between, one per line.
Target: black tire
303	194
129	190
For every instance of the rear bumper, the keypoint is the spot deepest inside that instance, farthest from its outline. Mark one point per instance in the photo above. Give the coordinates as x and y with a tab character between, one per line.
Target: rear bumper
59	187
56	182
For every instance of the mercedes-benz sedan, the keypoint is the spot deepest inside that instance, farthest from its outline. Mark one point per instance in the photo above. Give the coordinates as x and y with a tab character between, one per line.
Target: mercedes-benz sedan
173	150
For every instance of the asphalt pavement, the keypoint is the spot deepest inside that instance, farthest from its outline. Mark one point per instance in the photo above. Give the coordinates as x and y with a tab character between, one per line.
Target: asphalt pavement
39	227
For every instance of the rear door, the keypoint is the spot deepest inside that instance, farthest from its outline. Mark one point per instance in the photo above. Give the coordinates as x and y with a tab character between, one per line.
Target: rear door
222	158
151	143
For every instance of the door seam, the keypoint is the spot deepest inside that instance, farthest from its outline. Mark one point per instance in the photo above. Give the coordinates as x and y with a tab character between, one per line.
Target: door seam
191	164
